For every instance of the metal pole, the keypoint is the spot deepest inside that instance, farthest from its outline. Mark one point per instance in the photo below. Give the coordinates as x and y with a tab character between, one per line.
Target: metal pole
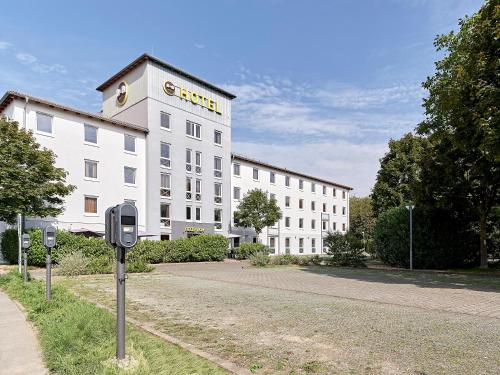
25	271
411	236
19	241
48	275
120	303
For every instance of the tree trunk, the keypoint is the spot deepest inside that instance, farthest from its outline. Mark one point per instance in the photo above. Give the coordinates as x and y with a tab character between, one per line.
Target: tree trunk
483	250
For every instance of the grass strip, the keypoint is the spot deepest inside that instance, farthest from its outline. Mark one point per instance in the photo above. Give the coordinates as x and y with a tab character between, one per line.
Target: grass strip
78	337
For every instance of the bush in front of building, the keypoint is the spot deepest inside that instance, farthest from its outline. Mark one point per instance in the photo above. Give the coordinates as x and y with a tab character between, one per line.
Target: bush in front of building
9	245
259	259
73	264
246	249
343	253
300	260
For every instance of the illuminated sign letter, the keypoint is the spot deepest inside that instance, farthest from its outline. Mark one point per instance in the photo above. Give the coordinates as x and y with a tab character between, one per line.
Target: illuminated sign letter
211	105
194	98
184	94
217	109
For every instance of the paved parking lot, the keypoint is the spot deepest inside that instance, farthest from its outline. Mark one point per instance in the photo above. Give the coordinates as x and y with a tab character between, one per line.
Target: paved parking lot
291	320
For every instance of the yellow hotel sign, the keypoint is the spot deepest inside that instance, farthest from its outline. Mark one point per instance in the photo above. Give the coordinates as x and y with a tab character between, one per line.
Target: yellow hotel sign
191	96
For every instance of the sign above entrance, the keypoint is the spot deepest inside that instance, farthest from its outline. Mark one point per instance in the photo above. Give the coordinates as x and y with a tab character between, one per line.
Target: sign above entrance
191	96
194	230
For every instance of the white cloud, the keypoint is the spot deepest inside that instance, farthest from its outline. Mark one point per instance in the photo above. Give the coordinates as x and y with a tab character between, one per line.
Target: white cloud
199	45
4	45
32	61
26	58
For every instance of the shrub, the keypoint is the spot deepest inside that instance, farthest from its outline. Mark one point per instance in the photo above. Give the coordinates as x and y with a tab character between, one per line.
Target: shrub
9	245
343	253
246	249
73	264
100	264
259	259
281	260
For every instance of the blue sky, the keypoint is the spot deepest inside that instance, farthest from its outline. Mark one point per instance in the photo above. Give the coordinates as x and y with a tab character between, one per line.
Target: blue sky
322	85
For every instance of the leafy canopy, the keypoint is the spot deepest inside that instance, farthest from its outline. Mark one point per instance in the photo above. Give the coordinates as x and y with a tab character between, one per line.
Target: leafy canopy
30	184
257	211
361	219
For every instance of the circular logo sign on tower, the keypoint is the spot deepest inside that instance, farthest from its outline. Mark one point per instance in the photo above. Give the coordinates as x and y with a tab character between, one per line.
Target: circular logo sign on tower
169	88
122	93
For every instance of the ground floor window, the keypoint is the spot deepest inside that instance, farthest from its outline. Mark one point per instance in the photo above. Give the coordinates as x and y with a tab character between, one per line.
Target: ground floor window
272	244
218	218
301	245
90	205
165	237
236	242
287	245
313	245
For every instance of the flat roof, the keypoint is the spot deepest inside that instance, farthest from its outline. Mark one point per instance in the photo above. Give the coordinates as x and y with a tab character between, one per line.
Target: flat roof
287	171
11	95
146	57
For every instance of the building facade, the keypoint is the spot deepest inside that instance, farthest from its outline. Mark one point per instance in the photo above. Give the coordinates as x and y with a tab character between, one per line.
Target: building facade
163	142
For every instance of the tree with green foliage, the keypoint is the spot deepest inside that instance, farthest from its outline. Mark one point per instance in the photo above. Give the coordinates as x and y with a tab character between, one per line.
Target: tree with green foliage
257	211
30	184
361	218
399	170
463	120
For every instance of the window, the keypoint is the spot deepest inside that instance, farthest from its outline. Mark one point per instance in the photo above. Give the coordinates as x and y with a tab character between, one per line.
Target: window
165	215
129	175
287	201
313	187
325	225
237	193
198	214
324	190
165	185
129	143
272	244
272	196
90	133
164	237
313	245
324	207
217	137
334	209
334	226
43	123
255	174
344	210
313	205
301	204
343	194
301	184
343	227
236	169
301	245
90	205
301	223
165	155
197	190
287	181
188	212
218	166
287	222
287	245
334	192
198	162
218	192
218	218
91	169
313	224
164	120
189	188
188	160
272	177
193	130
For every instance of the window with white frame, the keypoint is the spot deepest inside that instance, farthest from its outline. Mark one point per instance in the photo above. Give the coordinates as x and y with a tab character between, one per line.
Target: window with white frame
90	205
198	162
189	166
218	218
334	226
313	224
287	201
324	224
189	188
301	184
334	209
197	190
217	137
165	120
324	189
272	244
217	166
43	123
198	214
301	245
272	177
129	143
165	215
313	187
343	227
287	181
287	245
324	207
165	185
313	205
90	133
193	129
287	222
344	210
255	174
165	155
129	175
218	192
343	194
334	192
301	204
236	169
272	196
236	193
91	169
301	223
313	245
189	213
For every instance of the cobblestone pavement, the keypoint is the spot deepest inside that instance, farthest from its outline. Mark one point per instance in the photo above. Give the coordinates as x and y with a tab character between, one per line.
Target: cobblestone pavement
457	293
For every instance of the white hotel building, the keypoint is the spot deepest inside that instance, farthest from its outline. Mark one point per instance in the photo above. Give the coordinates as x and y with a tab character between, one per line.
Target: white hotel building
163	142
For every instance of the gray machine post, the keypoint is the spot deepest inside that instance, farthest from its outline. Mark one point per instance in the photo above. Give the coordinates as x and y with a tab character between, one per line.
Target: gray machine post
25	243
49	241
121	232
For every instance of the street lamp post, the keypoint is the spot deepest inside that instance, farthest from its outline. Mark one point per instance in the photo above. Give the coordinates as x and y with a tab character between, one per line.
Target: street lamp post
410	207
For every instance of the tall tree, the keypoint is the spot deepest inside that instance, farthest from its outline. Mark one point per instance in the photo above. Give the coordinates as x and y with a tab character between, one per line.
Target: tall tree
361	219
463	120
257	211
30	184
399	170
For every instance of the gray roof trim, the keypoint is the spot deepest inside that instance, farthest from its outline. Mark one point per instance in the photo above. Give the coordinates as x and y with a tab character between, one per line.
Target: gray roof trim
287	171
148	57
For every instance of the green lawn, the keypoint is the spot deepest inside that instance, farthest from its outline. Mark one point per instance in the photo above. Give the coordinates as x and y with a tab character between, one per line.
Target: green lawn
79	338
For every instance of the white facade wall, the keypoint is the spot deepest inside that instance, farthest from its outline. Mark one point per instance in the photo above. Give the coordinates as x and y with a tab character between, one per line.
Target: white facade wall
67	142
333	221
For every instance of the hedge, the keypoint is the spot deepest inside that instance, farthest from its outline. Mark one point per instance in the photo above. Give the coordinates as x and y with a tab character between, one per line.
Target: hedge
247	249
